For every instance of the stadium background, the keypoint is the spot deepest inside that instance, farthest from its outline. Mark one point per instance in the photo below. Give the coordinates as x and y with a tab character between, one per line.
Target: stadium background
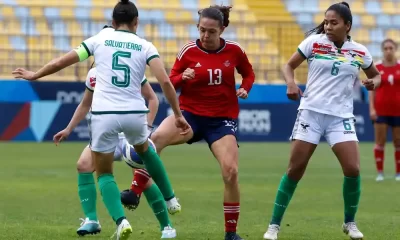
35	31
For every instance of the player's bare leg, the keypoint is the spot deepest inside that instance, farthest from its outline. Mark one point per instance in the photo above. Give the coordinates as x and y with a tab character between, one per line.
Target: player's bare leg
396	143
300	155
379	148
103	163
225	150
166	134
87	194
349	158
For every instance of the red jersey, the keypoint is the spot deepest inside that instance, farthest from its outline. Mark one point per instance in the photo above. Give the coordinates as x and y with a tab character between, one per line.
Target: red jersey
212	92
387	96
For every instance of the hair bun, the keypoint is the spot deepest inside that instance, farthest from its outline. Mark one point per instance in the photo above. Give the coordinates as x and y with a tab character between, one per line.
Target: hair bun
346	4
124	1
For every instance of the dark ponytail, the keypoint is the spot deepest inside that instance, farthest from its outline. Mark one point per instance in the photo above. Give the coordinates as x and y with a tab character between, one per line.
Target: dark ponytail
125	12
218	13
343	9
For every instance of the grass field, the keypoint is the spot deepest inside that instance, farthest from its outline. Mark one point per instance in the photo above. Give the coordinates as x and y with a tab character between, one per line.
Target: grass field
39	200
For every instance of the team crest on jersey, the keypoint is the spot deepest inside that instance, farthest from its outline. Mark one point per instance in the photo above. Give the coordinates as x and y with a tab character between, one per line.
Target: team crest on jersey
227	63
92	81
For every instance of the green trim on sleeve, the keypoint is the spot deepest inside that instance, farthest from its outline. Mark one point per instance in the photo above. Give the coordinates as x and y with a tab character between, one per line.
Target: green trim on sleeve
87	49
143	82
301	53
152	57
83	52
89	89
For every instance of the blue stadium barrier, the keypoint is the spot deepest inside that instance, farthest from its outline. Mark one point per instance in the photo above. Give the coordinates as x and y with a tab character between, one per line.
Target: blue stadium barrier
36	111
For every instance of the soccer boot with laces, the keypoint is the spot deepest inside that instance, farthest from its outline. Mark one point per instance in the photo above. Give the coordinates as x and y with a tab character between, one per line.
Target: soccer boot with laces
272	232
352	231
130	199
88	227
168	233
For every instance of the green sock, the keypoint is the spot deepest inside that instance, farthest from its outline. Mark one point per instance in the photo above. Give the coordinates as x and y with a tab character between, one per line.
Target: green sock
283	196
351	196
157	203
111	196
87	195
157	171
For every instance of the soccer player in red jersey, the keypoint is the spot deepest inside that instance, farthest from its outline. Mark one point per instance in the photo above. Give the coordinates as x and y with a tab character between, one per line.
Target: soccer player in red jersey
385	107
204	71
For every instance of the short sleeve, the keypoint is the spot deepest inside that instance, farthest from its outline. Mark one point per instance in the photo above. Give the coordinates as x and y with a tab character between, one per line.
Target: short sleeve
151	53
91	80
367	60
144	81
306	46
86	49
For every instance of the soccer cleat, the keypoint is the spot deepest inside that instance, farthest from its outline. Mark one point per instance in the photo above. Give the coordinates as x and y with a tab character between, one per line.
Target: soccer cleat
272	232
232	236
380	177
397	177
174	206
168	232
124	230
88	227
130	199
351	229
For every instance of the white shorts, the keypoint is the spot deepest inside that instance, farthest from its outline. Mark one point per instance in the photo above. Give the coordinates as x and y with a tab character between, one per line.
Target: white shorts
104	129
120	147
310	126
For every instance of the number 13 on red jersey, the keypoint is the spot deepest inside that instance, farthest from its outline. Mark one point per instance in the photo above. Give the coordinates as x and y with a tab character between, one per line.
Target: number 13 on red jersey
215	76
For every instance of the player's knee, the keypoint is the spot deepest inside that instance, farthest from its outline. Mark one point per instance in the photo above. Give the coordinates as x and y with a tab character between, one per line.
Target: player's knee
158	140
84	165
352	170
230	174
296	169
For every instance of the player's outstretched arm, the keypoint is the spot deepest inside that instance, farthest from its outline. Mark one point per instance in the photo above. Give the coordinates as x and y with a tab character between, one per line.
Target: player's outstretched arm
52	67
151	97
79	114
157	67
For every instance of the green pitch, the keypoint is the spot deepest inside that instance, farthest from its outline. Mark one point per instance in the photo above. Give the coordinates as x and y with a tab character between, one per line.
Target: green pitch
38	194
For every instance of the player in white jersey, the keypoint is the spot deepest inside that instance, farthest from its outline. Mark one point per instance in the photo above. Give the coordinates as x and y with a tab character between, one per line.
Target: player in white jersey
326	109
86	185
118	106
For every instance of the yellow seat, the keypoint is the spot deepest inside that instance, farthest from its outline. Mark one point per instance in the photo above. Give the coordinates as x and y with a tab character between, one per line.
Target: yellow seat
319	18
393	34
75	30
249	17
389	7
42	27
171	46
368	21
97	14
181	31
361	34
151	31
357	7
174	16
253	47
5	44
205	3
36	12
66	13
324	4
7	12
103	3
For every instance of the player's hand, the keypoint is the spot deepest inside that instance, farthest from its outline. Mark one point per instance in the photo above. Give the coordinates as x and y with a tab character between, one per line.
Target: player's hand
180	122
369	84
188	74
293	91
24	74
241	93
61	136
372	114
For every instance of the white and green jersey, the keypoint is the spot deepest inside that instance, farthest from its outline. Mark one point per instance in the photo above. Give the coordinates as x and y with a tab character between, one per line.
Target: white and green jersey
121	59
91	80
332	73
